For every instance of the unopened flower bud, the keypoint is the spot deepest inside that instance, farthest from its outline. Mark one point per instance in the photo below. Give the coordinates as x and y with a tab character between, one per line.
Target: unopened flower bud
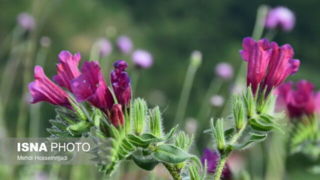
156	122
196	58
238	111
117	117
139	115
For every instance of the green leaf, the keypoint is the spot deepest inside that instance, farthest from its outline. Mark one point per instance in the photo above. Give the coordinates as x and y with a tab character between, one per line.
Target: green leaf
81	126
218	133
145	162
229	132
258	124
138	141
170	154
253	138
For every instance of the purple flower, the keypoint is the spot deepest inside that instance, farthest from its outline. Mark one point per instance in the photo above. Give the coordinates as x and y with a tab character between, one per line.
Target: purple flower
268	64
117	117
299	99
67	68
43	89
121	83
280	17
142	58
124	44
104	46
26	21
224	70
217	100
91	86
211	158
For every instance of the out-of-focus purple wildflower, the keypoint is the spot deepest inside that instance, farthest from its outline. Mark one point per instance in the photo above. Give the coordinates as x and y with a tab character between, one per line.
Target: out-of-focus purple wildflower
41	176
121	82
211	158
268	63
280	17
300	101
124	44
224	70
26	21
43	89
217	100
45	41
104	46
91	86
67	68
117	117
142	59
191	126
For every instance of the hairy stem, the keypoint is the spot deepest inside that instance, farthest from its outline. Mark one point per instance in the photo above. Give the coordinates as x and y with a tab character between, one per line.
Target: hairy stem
225	155
220	166
174	171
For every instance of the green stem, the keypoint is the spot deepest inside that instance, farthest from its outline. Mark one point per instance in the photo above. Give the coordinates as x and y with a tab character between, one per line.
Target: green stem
224	156
260	21
184	98
220	166
174	171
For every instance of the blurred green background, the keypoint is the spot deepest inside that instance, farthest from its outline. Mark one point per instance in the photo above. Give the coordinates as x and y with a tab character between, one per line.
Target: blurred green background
170	30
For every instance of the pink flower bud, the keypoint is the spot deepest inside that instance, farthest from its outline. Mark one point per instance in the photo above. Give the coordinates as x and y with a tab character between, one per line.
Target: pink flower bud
117	117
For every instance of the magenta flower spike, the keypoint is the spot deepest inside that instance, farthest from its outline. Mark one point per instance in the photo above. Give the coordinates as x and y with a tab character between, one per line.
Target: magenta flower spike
211	158
268	64
67	68
124	44
142	59
121	83
280	17
91	86
43	89
298	99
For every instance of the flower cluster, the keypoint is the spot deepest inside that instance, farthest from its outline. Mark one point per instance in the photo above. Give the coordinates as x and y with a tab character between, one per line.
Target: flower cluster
299	98
87	85
268	63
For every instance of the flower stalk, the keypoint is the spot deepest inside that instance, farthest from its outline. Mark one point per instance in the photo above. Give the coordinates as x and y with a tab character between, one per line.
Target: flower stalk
195	62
